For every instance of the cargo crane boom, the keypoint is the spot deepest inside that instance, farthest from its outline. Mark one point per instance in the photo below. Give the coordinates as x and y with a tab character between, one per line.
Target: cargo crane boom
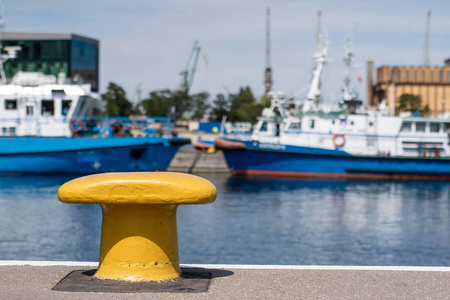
187	75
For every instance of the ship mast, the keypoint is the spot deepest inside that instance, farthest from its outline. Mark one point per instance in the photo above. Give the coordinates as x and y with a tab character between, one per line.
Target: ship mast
268	70
426	61
320	57
348	55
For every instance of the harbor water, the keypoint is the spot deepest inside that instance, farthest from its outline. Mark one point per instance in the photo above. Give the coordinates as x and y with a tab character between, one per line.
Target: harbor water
253	221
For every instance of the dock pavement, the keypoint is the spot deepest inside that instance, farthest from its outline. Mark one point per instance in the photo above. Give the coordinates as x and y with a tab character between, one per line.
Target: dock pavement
190	160
35	280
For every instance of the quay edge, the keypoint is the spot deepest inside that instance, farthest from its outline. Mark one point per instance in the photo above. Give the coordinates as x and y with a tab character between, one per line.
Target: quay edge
26	280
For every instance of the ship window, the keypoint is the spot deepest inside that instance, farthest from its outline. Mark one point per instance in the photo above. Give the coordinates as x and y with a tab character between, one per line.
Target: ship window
332	122
29	110
371	124
10	104
65	107
447	127
420	127
311	123
434	127
295	125
406	127
263	126
351	123
47	107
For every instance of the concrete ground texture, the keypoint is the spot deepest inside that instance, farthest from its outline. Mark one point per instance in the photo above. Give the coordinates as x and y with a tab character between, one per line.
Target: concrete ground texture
247	282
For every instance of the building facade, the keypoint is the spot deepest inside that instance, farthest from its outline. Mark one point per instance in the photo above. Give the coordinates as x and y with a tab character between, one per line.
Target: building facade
432	84
50	53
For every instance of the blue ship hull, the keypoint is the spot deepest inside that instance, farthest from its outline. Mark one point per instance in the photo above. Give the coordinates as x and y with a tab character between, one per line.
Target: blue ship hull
263	159
86	155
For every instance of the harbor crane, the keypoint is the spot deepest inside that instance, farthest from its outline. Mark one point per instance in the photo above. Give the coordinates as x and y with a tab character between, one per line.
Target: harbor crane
187	75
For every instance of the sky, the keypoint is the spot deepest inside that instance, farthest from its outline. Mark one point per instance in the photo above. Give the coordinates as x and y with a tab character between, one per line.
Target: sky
146	43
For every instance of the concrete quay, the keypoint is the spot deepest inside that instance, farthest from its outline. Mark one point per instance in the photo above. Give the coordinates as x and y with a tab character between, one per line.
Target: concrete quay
190	160
35	280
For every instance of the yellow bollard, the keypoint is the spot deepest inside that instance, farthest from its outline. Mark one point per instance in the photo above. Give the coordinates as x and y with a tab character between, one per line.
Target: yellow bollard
139	229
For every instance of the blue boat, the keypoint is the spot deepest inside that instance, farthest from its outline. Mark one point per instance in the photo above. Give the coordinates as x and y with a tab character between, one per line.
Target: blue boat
370	144
86	155
306	138
253	158
50	126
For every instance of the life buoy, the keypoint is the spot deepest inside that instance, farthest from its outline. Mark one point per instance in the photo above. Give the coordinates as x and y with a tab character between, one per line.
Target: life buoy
76	125
338	140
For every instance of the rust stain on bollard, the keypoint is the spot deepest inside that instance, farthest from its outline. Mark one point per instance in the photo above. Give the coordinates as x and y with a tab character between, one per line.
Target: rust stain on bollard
139	230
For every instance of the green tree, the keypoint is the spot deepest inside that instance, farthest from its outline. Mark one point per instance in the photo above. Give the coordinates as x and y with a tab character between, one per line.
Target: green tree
220	108
180	103
426	111
166	103
266	100
116	100
244	107
199	105
409	103
157	104
413	104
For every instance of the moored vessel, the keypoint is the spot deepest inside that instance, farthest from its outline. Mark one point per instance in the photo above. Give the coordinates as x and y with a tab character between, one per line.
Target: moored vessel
48	125
305	138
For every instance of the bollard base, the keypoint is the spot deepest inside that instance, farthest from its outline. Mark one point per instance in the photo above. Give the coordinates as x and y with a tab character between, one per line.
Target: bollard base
190	281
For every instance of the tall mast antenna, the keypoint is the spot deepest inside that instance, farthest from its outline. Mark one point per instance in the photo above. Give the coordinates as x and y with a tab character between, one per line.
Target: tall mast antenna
426	61
268	70
320	57
319	30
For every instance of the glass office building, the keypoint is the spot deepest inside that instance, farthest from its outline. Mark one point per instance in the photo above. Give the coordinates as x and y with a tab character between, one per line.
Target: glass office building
76	56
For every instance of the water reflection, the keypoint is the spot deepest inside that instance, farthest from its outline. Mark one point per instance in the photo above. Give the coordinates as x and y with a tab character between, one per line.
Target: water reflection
253	221
35	225
291	221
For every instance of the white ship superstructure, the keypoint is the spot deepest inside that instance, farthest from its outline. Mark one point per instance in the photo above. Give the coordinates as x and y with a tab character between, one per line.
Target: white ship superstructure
34	104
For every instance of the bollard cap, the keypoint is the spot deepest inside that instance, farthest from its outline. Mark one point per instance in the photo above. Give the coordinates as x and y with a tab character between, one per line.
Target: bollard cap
138	188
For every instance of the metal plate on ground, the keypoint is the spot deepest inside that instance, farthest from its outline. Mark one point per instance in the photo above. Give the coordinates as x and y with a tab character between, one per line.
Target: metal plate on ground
191	281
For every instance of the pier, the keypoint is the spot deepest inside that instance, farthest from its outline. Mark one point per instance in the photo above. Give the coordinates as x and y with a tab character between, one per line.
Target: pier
190	160
35	280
